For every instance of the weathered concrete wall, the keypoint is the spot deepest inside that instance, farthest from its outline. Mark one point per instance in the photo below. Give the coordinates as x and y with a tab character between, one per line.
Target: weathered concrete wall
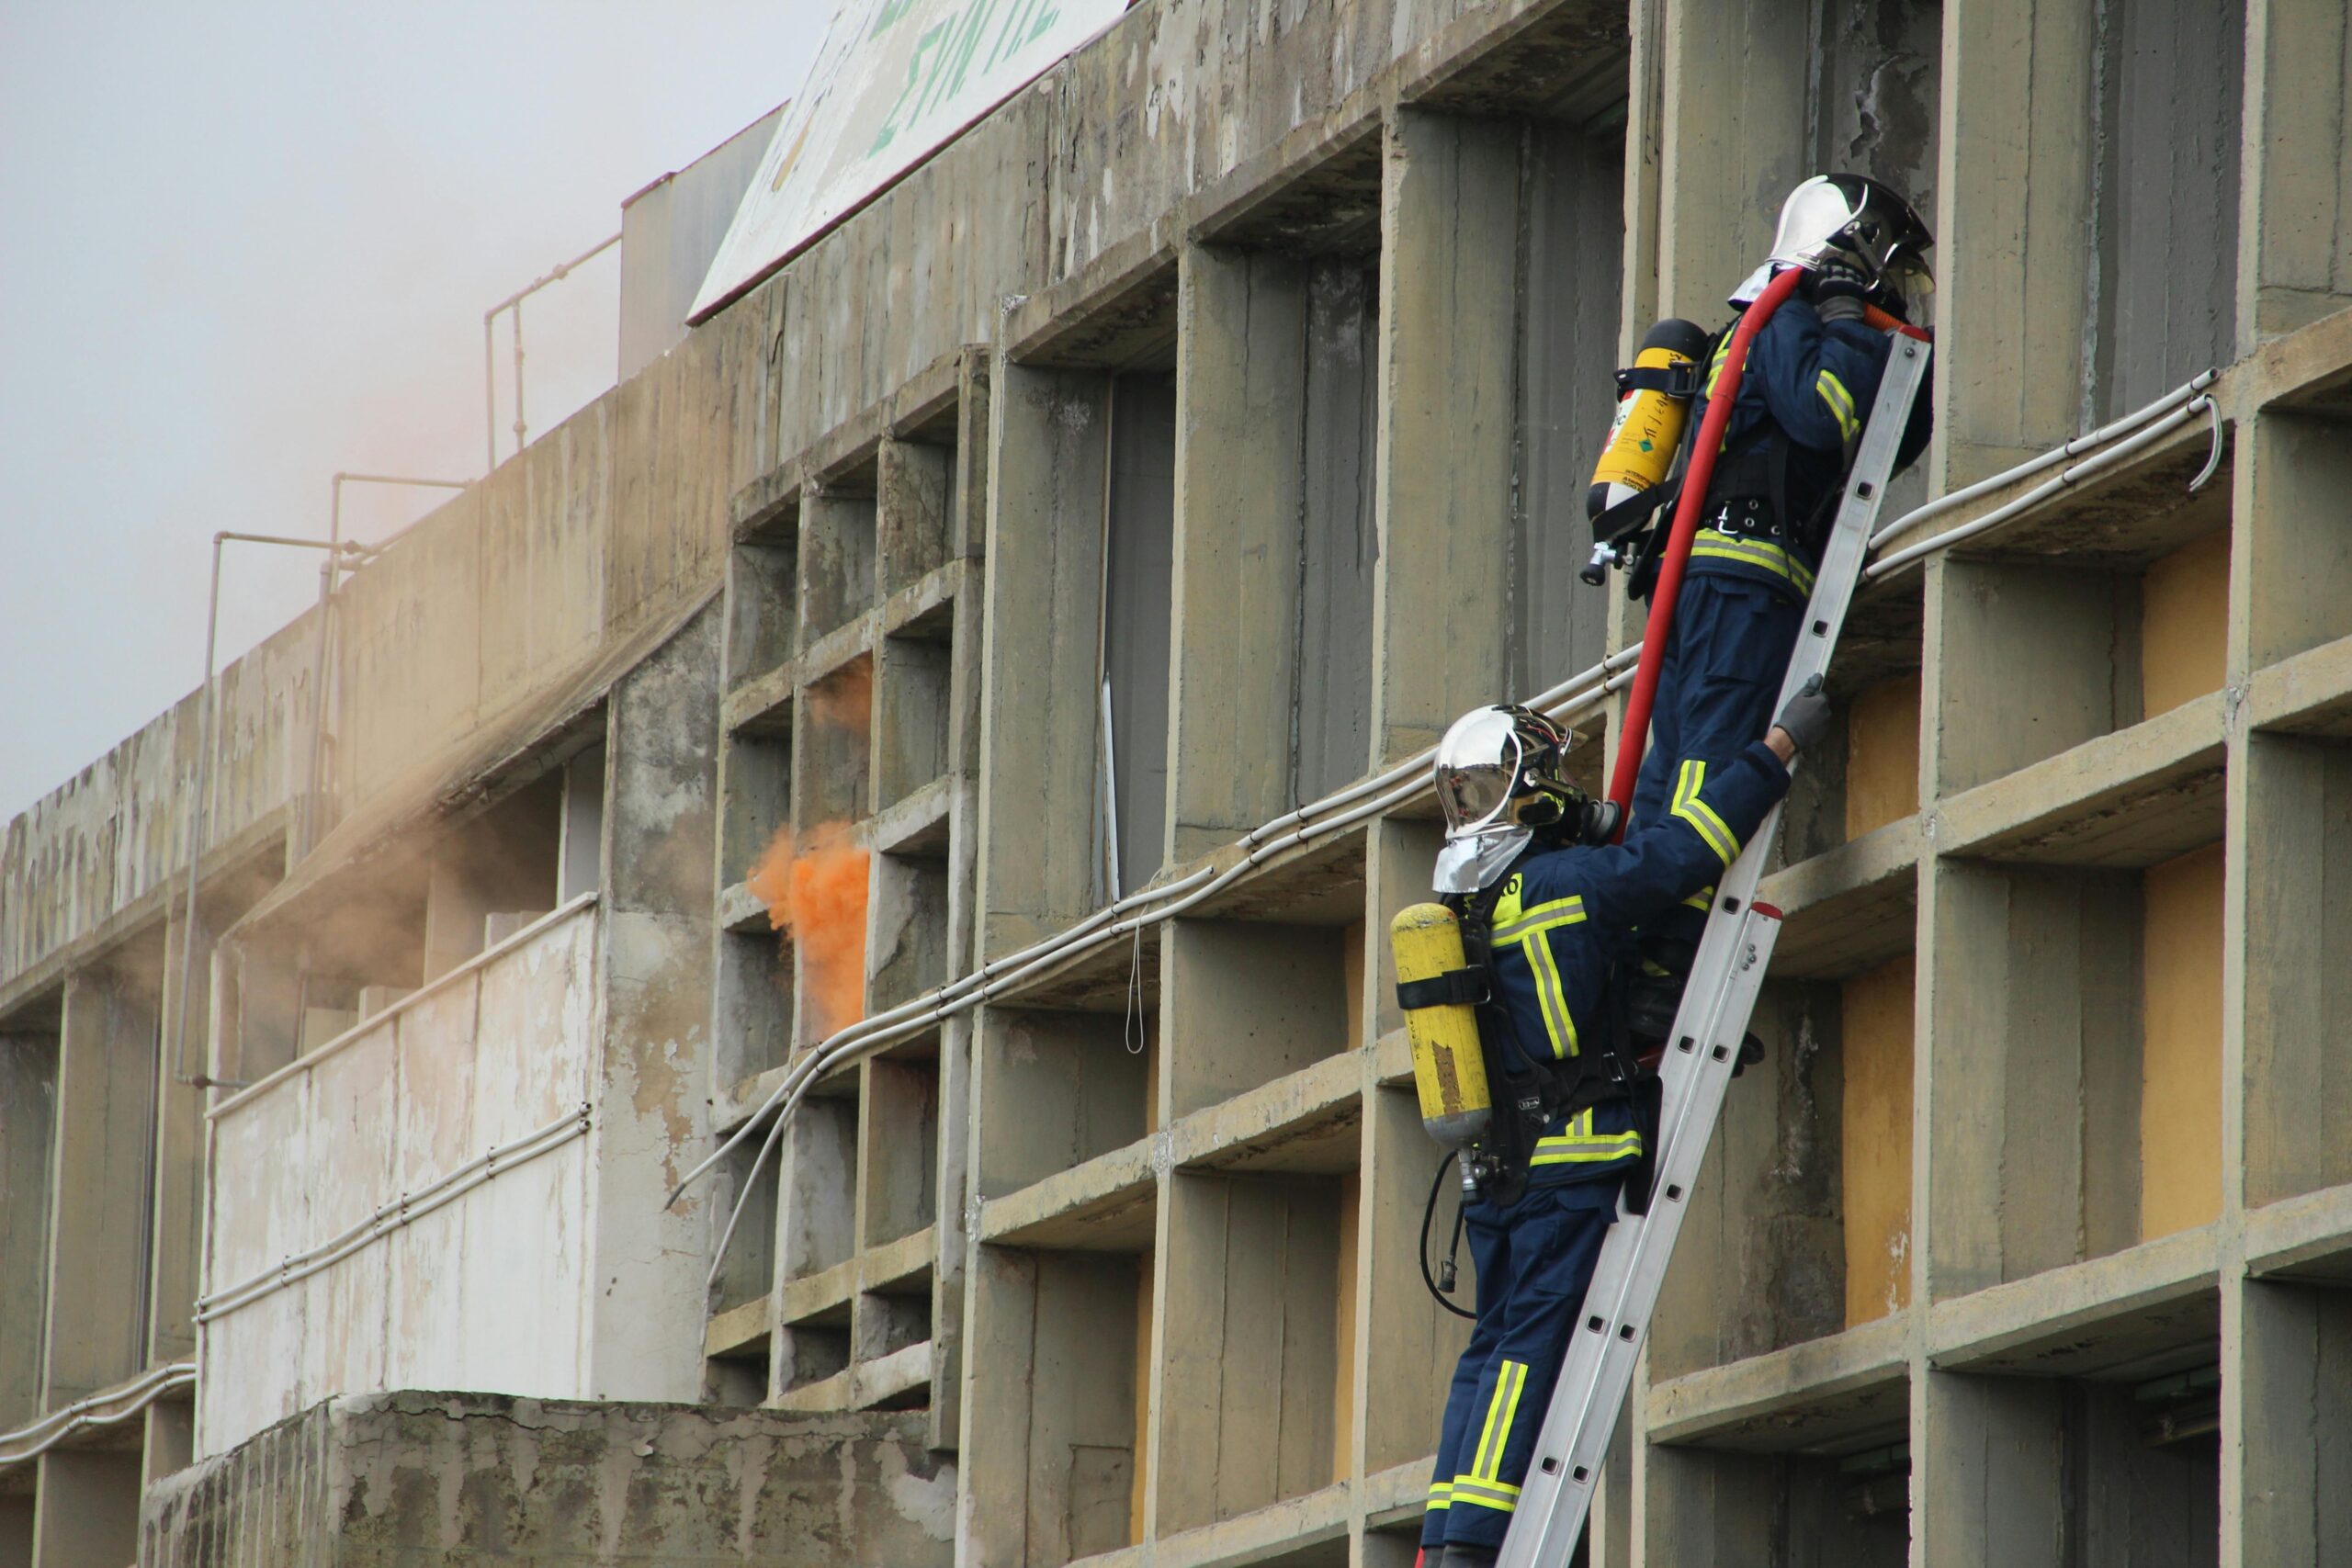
489	1290
453	1478
670	232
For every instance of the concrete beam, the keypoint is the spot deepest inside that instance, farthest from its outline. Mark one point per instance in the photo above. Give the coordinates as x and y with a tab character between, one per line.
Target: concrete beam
2294	217
655	968
2014	203
1048	440
1240	394
98	1220
27	1129
1449	218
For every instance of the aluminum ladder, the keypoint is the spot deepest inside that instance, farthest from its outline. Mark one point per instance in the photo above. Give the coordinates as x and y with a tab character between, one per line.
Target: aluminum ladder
1725	977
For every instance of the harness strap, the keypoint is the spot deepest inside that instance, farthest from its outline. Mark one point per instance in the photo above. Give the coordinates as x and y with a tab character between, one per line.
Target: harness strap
1452	988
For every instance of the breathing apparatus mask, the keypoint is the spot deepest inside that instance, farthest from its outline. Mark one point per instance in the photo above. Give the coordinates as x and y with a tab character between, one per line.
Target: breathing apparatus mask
1500	775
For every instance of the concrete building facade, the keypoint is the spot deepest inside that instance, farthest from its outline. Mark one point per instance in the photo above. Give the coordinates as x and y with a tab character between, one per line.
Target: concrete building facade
1192	438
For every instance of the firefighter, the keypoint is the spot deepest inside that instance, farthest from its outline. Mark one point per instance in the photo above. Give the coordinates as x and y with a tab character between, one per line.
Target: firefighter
1811	374
1555	907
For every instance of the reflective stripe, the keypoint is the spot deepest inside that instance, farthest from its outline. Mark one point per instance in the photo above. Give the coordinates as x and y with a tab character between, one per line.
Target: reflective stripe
1486	1438
1495	1495
1753	552
1580	1145
1441	1493
1525	931
1840	403
1700	815
1701	901
1551	997
1526	922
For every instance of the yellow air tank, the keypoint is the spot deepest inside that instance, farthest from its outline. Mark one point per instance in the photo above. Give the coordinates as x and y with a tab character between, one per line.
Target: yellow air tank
1448	1067
1647	430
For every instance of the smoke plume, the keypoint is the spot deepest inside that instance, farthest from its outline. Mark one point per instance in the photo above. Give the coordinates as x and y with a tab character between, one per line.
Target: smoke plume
814	887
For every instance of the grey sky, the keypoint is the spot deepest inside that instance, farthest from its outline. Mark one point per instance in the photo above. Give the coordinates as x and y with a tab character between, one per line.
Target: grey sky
245	244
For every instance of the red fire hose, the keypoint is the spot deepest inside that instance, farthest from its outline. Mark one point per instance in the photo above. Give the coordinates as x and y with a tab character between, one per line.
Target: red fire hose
1710	441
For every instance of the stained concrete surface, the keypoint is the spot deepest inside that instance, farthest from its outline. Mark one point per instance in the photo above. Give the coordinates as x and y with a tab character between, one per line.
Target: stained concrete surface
381	1480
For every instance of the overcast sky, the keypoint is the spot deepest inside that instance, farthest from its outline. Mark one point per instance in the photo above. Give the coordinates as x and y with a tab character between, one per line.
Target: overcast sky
244	244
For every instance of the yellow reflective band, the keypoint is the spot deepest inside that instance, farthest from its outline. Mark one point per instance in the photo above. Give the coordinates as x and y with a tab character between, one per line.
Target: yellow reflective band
1752	552
1487	1436
1517	1372
1551	997
1527	922
1441	1493
1496	1495
1839	402
1580	1145
1701	901
1700	816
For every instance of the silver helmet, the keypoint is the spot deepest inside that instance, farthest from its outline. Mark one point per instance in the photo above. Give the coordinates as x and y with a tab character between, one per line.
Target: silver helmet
1499	776
1861	221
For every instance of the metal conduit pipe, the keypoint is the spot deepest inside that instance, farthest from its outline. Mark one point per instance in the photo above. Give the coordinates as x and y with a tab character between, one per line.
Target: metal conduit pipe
1405	781
1400	783
1910	555
198	802
54	1428
2080	443
514	302
841	1052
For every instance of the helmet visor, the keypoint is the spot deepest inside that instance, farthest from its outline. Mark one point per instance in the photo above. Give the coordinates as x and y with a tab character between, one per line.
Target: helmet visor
1474	796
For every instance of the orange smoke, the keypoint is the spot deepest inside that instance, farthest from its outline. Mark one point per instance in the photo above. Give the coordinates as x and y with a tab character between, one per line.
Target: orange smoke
814	886
845	698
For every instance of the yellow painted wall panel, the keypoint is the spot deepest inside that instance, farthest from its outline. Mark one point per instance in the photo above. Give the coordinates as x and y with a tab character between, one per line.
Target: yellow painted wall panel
2184	624
1875	1174
2180	1062
1882	755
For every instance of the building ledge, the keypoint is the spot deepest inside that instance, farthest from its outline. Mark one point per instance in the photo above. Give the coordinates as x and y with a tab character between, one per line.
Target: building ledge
1821	1396
1306	1121
2305	693
2129	799
1848	910
1106	1204
2128	1312
2307	1237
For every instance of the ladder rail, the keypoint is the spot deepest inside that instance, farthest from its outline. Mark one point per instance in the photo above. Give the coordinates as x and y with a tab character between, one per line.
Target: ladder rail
1726	976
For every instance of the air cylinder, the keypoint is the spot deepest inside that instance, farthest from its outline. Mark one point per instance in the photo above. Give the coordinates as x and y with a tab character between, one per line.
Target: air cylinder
1647	430
1448	1070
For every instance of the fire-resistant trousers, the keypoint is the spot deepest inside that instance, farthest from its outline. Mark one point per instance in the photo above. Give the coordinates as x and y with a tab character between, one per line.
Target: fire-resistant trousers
1533	1260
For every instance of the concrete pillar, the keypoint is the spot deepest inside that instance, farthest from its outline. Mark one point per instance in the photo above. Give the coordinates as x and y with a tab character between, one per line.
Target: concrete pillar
27	1119
656	968
98	1218
1045	584
1988	1478
179	1155
2011	222
86	1511
1448	325
2295	213
1240	380
17	1530
1732	144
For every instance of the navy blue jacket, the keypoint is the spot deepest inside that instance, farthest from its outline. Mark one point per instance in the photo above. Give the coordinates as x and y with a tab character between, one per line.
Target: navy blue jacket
1816	385
1568	915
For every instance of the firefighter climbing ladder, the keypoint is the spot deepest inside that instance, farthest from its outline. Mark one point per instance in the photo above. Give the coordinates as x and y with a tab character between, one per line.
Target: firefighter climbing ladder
1726	977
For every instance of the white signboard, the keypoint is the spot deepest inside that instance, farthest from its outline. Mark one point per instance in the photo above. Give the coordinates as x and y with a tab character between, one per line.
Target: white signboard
895	81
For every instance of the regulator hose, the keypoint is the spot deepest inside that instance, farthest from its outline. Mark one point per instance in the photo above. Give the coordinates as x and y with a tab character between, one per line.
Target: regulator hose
1429	1212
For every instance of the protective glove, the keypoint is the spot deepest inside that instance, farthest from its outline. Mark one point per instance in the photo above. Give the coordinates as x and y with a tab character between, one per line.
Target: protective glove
1806	717
1839	291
